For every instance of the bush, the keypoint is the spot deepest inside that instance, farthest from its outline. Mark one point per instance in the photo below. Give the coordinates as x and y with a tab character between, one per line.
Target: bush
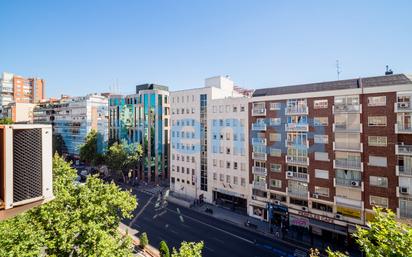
164	249
144	241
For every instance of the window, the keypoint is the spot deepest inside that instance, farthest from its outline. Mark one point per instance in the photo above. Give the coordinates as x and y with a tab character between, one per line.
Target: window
275	121
324	174
323	191
214	162
221	163
221	177
377	100
234	108
235	165
275	167
376	121
320	104
234	180
379	201
321	156
275	106
227	165
242	108
276	183
227	179
274	137
243	182
321	139
378	181
378	161
377	141
320	121
275	152
242	166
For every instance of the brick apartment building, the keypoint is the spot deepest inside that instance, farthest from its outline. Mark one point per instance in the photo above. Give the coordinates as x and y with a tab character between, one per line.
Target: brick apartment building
324	154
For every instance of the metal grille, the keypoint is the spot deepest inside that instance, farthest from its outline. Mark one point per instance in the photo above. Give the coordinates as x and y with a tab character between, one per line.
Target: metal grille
27	164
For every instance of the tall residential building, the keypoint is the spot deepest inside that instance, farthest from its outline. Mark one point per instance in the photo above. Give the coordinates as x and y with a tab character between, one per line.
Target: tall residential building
72	118
20	90
144	118
210	143
325	153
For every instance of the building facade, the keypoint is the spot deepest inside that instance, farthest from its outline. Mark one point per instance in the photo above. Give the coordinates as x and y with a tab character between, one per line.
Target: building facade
324	154
144	118
209	143
72	118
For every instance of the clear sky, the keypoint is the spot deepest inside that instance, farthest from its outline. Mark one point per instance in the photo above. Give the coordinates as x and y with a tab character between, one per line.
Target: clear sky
85	46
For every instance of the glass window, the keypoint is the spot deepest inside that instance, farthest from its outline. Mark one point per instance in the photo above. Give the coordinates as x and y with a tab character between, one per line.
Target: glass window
323	191
377	100
276	183
376	121
324	174
378	161
377	141
378	181
275	106
320	104
379	201
320	121
321	139
274	167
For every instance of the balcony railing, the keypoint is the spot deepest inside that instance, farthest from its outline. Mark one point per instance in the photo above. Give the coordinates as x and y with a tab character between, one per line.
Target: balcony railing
402	129
406	212
295	143
302	160
344	108
298	176
301	110
357	128
298	193
259	156
259	126
403	149
259	141
403	171
260	171
403	107
261	185
297	127
343	146
348	182
258	111
348	164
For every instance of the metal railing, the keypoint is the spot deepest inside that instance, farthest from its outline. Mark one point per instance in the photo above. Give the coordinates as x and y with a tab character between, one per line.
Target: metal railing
348	182
348	164
260	171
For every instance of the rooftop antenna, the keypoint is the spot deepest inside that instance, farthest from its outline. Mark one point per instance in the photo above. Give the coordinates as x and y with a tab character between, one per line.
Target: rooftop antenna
338	70
388	71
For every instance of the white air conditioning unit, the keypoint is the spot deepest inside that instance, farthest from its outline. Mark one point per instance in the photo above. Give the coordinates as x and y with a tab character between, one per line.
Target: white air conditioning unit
289	174
403	190
315	195
404	104
253	197
277	202
354	183
338	216
304	208
25	167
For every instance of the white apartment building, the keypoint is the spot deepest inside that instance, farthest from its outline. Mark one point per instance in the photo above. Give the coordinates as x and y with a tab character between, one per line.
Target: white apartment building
6	88
192	115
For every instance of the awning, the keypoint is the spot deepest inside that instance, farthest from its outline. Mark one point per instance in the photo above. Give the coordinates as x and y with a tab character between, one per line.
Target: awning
329	226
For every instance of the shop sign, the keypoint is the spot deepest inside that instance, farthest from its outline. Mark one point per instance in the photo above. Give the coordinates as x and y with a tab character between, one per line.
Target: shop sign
315	216
298	221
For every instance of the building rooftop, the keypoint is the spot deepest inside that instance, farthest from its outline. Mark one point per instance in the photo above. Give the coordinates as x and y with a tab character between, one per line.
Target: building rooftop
388	80
151	87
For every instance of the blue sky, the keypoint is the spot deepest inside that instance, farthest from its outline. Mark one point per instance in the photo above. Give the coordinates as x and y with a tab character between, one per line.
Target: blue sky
85	46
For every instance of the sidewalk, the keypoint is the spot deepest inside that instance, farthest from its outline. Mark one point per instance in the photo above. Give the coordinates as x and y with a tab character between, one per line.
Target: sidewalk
149	251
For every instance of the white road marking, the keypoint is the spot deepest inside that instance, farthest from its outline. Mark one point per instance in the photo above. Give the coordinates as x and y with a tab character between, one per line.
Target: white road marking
220	241
140	212
210	249
174	232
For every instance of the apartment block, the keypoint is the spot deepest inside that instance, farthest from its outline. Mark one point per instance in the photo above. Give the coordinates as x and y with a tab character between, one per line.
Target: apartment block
332	151
210	143
72	118
144	118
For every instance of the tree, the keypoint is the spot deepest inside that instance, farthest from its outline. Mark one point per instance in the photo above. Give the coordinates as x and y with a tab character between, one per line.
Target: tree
144	241
385	237
89	151
82	220
6	121
164	249
188	249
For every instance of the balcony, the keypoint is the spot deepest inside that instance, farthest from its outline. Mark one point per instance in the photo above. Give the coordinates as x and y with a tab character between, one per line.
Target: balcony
259	156
348	164
344	146
259	171
300	160
301	110
403	107
258	141
297	127
348	183
259	126
260	185
403	150
296	144
258	111
347	108
401	129
357	128
298	193
403	171
298	176
403	192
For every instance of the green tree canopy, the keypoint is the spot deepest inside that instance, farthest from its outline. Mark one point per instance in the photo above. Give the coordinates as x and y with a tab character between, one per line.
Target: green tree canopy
144	240
188	249
89	152
81	221
6	121
164	249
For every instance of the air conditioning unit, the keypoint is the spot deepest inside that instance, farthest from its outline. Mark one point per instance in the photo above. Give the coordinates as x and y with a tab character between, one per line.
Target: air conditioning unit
253	197
315	195
338	216
403	190
25	167
289	174
404	104
277	202
354	183
304	208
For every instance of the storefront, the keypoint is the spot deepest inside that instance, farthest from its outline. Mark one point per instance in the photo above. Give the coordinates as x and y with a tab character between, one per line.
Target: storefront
230	200
278	214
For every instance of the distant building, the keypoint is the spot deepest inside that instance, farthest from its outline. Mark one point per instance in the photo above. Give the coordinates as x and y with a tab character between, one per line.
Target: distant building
72	119
144	118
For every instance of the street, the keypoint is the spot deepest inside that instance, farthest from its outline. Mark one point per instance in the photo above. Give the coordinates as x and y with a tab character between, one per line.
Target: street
174	224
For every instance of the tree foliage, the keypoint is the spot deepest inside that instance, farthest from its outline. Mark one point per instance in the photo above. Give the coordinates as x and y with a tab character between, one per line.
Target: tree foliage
122	156
164	249
385	237
189	249
144	241
6	121
89	151
81	221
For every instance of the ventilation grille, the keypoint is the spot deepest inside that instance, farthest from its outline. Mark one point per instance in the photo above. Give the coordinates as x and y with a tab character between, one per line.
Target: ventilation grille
27	164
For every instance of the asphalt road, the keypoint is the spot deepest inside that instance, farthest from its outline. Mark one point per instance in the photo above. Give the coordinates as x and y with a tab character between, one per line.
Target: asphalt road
174	224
